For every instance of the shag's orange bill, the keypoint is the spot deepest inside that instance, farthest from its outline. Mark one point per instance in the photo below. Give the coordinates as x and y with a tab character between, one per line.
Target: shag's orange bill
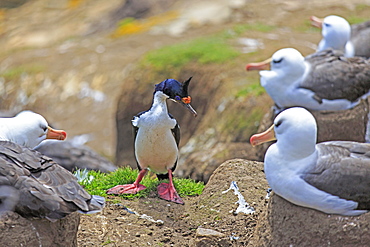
186	100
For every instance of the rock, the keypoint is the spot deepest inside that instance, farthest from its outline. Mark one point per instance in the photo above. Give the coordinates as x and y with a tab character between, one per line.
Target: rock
214	209
345	125
204	232
12	3
285	224
199	165
210	242
137	9
18	231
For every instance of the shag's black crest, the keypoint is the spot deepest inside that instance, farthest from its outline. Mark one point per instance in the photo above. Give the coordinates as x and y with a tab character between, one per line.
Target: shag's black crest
173	88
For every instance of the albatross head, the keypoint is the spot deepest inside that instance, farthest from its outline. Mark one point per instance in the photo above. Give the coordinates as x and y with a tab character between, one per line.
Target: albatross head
336	32
294	129
28	129
288	61
286	65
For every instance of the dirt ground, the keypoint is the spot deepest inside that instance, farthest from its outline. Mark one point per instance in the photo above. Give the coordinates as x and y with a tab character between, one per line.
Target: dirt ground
169	224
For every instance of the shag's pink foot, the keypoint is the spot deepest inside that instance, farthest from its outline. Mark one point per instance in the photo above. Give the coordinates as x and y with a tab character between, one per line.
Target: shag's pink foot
126	189
168	193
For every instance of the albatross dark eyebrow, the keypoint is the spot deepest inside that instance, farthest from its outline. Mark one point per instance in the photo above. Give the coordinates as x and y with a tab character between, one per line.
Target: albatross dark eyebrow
277	61
44	127
279	123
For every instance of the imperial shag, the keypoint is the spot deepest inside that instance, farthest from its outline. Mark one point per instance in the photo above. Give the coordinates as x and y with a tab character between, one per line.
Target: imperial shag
157	137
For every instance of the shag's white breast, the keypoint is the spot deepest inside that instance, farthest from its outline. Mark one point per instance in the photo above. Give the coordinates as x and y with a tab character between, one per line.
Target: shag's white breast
155	146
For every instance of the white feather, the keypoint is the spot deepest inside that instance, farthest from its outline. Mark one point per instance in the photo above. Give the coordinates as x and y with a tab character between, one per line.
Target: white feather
155	146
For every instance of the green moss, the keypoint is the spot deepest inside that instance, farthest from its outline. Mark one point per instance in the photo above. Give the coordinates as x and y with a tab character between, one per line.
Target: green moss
126	175
259	27
125	21
240	123
361	7
355	19
13	73
251	90
202	51
221	154
246	122
207	50
306	27
250	120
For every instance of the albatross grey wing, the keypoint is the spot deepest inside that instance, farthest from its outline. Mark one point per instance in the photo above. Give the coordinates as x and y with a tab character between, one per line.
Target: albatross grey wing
72	156
333	76
46	190
360	36
343	169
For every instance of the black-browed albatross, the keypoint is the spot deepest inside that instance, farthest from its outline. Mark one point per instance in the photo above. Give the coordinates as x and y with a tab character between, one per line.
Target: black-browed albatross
332	177
28	129
32	184
337	34
320	81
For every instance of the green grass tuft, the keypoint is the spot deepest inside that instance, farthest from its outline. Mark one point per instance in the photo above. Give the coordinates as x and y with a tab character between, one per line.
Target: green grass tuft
188	187
107	242
126	175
